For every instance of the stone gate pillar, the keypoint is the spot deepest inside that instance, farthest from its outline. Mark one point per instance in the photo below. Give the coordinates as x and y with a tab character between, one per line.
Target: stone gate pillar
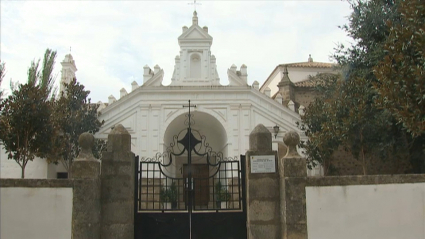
293	173
86	192
262	184
117	190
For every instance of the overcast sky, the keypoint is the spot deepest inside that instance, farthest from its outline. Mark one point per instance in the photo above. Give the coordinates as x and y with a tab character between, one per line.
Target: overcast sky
111	41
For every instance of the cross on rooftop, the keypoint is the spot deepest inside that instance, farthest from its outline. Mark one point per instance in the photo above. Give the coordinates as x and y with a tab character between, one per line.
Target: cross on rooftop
194	4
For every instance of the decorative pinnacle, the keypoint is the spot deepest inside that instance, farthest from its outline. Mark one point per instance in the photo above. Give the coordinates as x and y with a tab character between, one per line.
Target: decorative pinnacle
292	139
285	78
86	142
195	18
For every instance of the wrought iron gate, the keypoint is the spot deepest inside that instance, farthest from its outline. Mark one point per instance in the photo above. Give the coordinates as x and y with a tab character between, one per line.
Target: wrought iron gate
190	191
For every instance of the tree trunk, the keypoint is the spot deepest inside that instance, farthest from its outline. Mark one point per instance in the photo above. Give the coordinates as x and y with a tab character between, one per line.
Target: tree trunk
362	152
364	162
70	168
23	172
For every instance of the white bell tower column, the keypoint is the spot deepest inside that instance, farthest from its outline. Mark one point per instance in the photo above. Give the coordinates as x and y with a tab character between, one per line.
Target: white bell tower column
68	71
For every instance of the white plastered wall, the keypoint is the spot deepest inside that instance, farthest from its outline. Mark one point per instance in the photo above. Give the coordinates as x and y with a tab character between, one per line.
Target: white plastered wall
296	74
10	169
386	211
36	213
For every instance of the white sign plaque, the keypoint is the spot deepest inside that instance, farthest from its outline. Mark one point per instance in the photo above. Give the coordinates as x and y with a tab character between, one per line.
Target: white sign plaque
263	164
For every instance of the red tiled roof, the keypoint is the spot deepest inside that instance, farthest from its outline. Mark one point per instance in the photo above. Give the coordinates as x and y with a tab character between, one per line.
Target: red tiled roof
306	83
311	64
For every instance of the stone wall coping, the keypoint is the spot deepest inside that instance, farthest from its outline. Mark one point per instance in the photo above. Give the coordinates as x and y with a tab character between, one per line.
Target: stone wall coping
364	180
36	183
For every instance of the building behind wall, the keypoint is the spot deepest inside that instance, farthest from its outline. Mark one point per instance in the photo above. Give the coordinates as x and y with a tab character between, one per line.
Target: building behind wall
226	114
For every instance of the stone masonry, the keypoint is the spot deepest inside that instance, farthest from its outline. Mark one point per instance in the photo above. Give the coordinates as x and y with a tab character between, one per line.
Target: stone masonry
263	218
86	195
293	173
117	190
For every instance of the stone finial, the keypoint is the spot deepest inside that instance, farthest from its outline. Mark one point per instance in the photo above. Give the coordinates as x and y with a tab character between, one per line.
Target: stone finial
244	73
134	85
119	139
147	73
301	110
309	58
260	139
111	99
184	28
278	98
291	140
156	69
233	68
285	78
195	18
100	106
256	85
146	70
291	105
123	92
268	92
86	142
205	28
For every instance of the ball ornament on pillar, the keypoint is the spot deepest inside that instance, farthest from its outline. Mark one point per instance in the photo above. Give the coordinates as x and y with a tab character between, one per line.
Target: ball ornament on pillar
291	140
86	142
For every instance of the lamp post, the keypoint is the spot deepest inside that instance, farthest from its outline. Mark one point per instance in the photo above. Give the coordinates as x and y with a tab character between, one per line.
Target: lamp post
276	130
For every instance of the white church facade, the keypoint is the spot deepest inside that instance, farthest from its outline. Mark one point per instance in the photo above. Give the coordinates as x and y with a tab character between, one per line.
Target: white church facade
152	113
225	114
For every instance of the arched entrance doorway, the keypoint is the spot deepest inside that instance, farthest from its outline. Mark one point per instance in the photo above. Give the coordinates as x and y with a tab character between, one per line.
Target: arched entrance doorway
191	186
210	139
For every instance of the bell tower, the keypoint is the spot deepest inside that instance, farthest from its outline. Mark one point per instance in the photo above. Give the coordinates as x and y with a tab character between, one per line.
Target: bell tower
68	71
195	65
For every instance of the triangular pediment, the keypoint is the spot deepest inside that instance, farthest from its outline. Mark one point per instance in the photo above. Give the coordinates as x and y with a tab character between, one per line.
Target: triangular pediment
195	33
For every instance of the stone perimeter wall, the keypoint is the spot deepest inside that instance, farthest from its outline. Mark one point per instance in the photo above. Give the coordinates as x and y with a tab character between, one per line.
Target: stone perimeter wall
378	206
284	204
88	206
36	208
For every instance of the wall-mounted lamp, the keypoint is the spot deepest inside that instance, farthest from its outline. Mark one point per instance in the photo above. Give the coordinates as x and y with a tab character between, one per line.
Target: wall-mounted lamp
276	130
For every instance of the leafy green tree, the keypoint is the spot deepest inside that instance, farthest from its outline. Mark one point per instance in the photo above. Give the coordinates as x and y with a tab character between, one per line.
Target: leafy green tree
73	115
25	127
322	133
368	28
344	118
2	73
43	78
401	73
348	115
